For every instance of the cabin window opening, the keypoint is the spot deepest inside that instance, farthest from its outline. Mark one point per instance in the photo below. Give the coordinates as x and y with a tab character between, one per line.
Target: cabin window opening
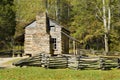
52	28
54	41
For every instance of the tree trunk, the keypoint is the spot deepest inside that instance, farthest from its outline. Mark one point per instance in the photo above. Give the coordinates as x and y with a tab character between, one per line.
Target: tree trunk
105	27
57	10
46	5
109	18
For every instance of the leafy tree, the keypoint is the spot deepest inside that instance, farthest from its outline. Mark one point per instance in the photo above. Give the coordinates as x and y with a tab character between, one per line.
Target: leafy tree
107	13
87	22
84	25
7	22
59	10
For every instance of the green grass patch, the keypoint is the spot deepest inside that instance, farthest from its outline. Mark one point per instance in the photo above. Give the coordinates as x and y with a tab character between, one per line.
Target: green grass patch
37	73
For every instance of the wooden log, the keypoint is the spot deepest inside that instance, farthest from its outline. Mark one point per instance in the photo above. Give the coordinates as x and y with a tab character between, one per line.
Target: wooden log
110	57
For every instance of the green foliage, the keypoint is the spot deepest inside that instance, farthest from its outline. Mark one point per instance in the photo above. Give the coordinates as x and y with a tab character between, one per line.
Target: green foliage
87	25
26	11
7	22
114	40
84	24
82	17
60	11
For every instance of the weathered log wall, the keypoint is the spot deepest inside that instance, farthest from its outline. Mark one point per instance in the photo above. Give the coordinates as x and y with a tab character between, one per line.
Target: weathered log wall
37	37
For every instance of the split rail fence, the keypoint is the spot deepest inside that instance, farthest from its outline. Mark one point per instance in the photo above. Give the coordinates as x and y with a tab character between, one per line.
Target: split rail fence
70	61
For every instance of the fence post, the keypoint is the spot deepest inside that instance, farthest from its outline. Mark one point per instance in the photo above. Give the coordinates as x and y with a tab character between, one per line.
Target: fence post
118	63
67	61
79	63
47	61
74	49
102	64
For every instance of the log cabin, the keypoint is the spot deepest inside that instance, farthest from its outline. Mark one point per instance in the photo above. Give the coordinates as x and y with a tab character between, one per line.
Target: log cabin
45	35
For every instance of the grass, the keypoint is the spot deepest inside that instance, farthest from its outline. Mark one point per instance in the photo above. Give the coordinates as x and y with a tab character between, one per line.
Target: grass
37	73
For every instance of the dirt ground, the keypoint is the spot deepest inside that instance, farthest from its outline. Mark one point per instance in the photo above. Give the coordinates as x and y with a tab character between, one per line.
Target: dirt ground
7	62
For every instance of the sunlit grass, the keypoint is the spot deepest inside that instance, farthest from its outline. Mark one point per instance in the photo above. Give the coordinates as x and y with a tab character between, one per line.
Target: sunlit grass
36	73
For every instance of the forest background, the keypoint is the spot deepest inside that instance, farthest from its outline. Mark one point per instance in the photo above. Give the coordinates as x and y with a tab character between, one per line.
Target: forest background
95	23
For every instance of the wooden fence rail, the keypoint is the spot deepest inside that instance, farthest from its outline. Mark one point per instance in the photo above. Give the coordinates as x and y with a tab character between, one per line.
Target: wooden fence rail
56	62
